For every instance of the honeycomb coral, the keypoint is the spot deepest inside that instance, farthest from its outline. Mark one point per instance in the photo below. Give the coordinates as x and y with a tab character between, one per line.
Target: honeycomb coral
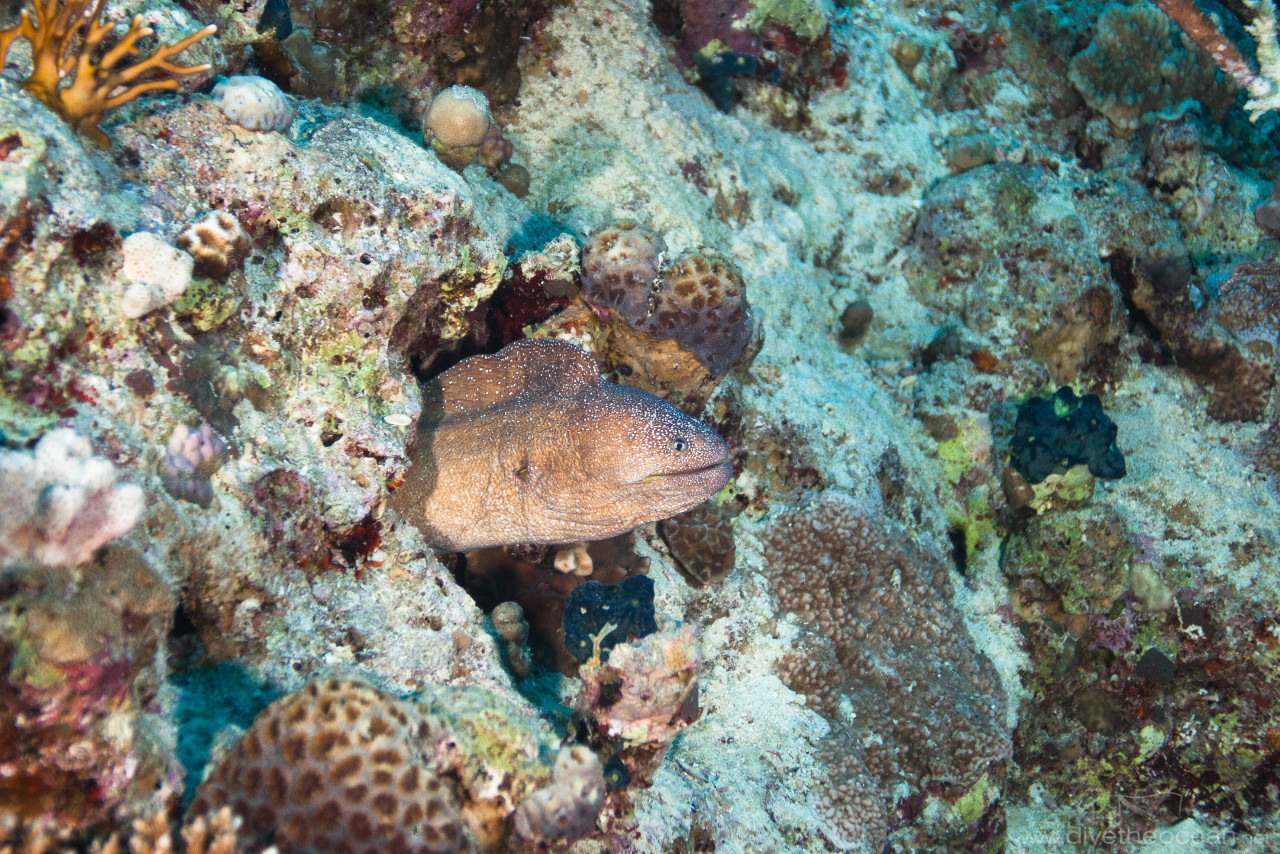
878	628
620	268
338	767
698	300
702	304
701	542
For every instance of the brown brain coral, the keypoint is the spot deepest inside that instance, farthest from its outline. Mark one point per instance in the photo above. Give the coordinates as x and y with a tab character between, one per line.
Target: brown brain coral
620	266
338	767
701	303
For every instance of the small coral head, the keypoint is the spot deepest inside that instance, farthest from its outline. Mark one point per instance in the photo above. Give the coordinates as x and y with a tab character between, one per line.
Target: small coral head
457	124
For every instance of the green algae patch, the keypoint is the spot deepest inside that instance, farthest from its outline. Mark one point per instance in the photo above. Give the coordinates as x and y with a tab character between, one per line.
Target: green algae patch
207	304
970	807
806	18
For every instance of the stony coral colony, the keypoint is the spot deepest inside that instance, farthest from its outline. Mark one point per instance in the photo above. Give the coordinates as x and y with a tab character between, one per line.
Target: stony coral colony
988	329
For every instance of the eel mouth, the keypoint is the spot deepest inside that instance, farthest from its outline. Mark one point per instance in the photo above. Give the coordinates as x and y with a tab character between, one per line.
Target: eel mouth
710	478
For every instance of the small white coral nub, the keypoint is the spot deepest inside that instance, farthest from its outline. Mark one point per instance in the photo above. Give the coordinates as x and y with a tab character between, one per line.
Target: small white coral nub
253	103
157	273
59	503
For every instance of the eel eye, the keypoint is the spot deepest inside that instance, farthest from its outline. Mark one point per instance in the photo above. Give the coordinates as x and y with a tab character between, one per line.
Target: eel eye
680	444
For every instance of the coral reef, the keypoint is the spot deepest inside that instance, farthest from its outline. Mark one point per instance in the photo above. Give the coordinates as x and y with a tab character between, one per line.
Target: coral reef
509	622
335	766
934	222
566	809
190	460
456	125
701	543
698	299
217	242
85	738
156	273
640	697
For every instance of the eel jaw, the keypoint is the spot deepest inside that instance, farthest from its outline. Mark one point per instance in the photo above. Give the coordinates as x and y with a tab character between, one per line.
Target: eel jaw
705	481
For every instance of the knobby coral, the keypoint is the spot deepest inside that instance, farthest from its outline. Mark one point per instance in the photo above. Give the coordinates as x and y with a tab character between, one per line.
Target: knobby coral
67	38
883	655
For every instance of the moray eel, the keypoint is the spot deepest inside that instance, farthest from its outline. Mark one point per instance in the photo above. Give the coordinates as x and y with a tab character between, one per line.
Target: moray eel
532	445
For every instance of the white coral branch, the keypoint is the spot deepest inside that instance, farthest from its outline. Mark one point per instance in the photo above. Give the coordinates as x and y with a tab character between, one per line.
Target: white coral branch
1264	89
59	503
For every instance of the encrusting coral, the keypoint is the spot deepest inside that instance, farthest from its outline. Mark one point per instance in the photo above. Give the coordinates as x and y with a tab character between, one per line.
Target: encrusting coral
67	38
156	273
1139	68
878	628
639	696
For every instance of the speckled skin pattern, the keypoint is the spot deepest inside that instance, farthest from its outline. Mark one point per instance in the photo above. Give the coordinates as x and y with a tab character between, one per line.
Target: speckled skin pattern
532	445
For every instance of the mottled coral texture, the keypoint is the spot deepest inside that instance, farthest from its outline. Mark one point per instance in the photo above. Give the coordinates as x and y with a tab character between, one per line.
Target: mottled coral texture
1139	68
342	767
697	300
620	268
878	628
701	543
84	742
338	767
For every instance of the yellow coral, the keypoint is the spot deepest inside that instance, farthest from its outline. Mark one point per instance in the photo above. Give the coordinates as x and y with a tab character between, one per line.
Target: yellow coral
65	35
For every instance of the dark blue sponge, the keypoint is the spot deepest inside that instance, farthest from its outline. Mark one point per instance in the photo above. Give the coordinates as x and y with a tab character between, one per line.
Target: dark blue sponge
627	604
1053	434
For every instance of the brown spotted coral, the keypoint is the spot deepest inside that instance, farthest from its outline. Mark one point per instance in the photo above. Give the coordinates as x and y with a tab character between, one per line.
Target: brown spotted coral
698	300
338	767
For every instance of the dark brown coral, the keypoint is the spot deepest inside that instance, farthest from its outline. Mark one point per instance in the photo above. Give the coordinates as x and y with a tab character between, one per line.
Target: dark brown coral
701	542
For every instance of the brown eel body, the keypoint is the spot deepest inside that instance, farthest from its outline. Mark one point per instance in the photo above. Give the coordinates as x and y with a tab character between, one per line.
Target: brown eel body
532	445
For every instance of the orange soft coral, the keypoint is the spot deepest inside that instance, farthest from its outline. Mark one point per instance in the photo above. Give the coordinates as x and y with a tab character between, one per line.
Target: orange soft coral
65	38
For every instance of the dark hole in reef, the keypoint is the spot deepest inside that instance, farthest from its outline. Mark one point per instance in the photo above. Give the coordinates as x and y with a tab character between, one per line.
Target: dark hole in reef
667	17
1151	348
959	549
